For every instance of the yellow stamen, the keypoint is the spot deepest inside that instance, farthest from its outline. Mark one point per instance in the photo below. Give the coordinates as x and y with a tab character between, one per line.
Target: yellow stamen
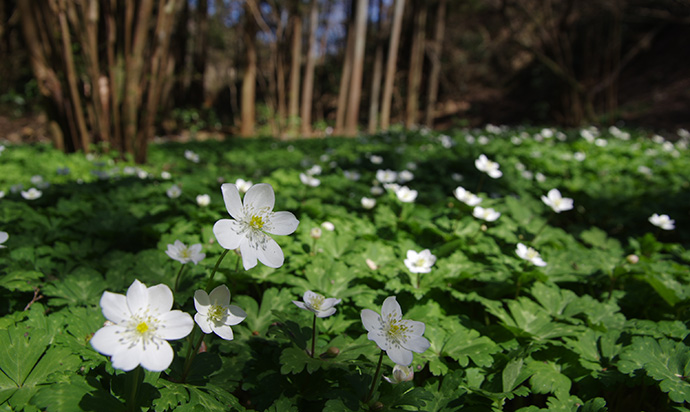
142	327
257	222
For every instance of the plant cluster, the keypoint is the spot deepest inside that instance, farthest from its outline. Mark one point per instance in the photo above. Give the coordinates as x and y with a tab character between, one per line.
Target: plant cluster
493	269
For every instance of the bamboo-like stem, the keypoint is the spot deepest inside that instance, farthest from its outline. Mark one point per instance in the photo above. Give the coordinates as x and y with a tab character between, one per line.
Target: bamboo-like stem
313	336
215	269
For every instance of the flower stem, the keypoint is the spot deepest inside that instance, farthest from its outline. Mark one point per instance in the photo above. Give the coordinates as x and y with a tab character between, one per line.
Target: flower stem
133	381
215	269
419	280
536	235
191	356
376	378
479	185
177	279
313	336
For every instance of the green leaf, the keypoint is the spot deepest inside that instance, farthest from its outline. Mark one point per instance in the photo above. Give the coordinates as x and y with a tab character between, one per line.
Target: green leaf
21	280
547	378
514	374
82	287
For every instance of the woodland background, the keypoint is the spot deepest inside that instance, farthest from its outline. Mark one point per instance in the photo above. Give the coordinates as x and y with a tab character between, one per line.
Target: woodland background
114	74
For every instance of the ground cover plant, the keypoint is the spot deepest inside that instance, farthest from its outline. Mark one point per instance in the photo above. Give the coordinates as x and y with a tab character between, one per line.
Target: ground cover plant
493	269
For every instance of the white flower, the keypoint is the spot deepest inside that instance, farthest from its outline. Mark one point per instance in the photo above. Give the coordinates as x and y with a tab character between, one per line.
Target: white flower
142	325
483	140
530	254
191	156
555	201
328	226
662	221
142	174
314	170
31	194
203	200
174	192
243	185
457	177
579	156
3	238
371	264
483	164
375	159
376	190
183	254
391	186
466	197
320	305
401	373
368	203
352	175
2	149
253	221
420	262
166	175
540	177
405	176
398	337
315	233
406	195
487	214
2	194
39	182
386	176
309	180
215	313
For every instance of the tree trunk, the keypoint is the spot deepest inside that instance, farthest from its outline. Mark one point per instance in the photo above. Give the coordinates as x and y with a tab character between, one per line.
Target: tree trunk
416	65
378	73
355	92
249	79
435	58
296	64
391	64
196	95
345	78
308	85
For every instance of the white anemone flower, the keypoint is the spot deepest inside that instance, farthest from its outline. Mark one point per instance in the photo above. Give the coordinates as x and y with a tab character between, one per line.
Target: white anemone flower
3	238
243	185
376	159
174	192
466	197
401	373
405	176
252	222
31	194
662	221
376	190
398	337
555	201
483	164
529	254
191	156
183	254
406	195
140	326
487	214
321	306
328	226
386	176
2	194
368	203
309	180
420	262
203	200
215	313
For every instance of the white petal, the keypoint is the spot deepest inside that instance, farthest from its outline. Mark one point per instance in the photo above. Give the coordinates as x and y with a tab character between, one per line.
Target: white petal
201	301
175	325
235	315
377	336
415	327
3	237
105	340
417	343
220	296
203	323
224	332
270	254
399	355
371	320
127	358
325	313
233	203
137	297
283	223
249	255
391	308
411	255
260	196
300	305
330	302
160	298
115	307
227	233
157	358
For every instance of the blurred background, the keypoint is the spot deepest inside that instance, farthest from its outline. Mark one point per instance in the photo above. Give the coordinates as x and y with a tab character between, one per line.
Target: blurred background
116	74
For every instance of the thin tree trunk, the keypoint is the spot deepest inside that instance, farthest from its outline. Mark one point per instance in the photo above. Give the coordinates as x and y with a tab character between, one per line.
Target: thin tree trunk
344	82
249	79
355	92
308	85
416	64
200	53
378	73
435	57
296	64
391	64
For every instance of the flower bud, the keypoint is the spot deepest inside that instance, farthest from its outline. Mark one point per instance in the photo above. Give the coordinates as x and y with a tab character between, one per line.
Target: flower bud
401	373
632	259
328	226
372	265
315	233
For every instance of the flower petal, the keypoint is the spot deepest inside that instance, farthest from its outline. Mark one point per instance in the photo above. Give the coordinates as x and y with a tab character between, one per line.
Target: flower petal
137	297
115	307
3	237
282	223
417	343
157	358
203	322
378	337
249	255
235	315
399	355
160	298
233	203
227	233
127	358
260	196
270	253
220	296
325	313
175	325
391	309
371	320
201	301
224	332
300	305
330	302
415	327
106	340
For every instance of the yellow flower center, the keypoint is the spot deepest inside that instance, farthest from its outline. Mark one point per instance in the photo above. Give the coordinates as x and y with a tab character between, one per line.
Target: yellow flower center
142	327
397	331
216	313
316	302
257	222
